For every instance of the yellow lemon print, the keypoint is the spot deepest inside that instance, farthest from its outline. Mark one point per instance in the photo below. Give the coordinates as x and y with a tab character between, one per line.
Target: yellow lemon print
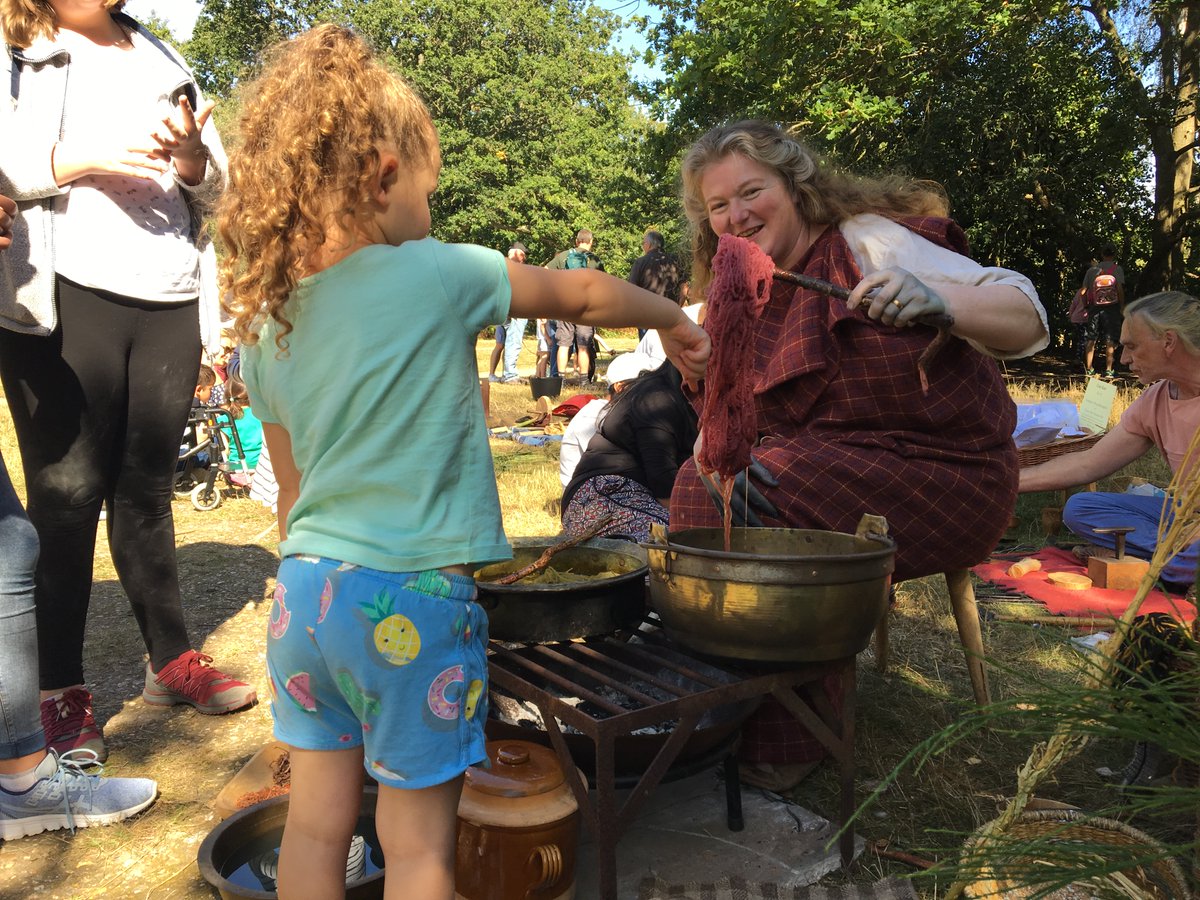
474	690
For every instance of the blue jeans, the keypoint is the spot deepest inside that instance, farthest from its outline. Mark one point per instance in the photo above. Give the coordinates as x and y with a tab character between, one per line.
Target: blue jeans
514	334
1089	510
20	718
552	327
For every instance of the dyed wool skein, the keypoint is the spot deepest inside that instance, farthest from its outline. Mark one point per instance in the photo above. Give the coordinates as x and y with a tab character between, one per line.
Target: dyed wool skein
740	288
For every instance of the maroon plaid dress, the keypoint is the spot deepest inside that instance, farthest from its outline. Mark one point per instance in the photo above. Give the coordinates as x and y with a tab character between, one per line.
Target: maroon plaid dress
846	429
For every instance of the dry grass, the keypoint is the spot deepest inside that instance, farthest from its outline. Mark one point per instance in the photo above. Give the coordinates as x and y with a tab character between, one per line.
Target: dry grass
227	559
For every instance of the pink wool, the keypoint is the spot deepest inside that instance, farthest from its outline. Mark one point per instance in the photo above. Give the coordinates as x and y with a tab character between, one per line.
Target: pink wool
740	288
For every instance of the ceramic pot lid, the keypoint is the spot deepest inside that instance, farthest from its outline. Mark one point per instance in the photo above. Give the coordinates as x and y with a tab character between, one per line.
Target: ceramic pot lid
519	769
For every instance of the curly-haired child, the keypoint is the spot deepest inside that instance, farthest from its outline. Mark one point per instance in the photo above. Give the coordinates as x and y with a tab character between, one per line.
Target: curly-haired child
359	334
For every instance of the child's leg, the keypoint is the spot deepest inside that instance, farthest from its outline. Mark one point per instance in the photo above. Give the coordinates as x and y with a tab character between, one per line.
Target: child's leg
417	832
326	797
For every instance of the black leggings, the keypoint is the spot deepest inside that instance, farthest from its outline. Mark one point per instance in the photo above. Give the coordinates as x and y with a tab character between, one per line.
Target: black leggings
100	406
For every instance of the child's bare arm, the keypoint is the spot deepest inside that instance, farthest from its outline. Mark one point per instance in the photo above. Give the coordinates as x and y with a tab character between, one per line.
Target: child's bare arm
279	445
590	297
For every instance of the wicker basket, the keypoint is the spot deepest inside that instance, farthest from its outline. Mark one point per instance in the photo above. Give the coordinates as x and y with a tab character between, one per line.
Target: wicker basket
1065	836
1031	456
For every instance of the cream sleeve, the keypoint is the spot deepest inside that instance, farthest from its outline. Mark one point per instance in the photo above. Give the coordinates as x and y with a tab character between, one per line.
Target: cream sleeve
879	243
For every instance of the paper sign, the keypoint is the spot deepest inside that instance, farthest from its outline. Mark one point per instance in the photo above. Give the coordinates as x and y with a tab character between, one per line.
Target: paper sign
1097	405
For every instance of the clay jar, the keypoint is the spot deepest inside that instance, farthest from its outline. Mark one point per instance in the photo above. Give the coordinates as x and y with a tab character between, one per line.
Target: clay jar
518	827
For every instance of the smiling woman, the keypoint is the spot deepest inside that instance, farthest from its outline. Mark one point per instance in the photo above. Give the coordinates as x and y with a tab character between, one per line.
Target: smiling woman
842	425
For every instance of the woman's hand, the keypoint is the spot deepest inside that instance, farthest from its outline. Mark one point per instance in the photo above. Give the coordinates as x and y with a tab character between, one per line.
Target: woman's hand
8	214
896	297
688	347
72	160
179	140
746	501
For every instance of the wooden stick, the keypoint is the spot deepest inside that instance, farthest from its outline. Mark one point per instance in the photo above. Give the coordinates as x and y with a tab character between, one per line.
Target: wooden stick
880	848
1071	621
935	320
544	560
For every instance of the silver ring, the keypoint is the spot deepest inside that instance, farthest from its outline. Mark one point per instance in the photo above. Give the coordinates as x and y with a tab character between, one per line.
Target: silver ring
897	304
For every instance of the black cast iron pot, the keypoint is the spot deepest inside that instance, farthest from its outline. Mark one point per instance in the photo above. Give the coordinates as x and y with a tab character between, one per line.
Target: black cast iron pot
542	613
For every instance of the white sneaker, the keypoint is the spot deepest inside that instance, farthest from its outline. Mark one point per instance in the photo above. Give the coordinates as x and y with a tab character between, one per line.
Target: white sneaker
64	796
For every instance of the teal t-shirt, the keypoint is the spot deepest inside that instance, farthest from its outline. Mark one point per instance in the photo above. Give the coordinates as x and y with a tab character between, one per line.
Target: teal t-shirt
378	388
250	436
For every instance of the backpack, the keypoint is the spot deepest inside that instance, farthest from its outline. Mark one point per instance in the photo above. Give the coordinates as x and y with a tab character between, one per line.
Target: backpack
1104	290
576	259
1078	312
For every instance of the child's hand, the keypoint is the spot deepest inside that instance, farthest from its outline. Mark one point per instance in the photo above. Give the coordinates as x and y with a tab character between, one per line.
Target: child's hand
688	347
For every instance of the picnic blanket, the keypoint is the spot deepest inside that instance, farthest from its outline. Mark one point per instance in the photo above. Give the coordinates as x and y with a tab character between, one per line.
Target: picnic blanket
1061	601
739	889
536	437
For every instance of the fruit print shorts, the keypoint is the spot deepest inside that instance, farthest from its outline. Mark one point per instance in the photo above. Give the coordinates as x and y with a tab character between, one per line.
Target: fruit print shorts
394	662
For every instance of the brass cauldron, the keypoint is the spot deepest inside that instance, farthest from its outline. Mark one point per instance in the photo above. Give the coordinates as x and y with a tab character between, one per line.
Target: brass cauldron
779	594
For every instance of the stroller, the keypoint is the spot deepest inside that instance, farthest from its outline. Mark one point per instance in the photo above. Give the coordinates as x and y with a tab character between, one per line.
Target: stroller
204	459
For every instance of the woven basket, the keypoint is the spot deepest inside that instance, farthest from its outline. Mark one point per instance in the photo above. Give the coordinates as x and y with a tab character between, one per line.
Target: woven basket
1031	456
1048	834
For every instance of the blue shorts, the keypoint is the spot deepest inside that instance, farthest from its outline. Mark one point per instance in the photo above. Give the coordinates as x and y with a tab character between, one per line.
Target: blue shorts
390	661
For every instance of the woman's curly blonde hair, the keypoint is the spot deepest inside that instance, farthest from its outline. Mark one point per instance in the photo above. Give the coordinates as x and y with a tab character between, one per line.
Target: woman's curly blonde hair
824	194
311	128
24	21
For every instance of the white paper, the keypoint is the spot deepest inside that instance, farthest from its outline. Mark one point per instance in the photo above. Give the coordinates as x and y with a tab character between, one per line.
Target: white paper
1097	405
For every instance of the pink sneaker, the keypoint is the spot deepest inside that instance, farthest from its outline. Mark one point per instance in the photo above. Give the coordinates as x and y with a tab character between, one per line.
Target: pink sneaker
190	678
70	725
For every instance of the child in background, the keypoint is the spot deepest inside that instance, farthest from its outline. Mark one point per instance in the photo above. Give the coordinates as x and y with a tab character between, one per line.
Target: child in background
376	652
249	430
195	434
206	380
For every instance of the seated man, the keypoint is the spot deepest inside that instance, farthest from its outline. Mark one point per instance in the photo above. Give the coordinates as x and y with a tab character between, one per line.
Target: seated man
1161	341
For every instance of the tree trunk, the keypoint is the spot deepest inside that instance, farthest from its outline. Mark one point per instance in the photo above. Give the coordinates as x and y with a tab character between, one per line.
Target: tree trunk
1170	117
1174	145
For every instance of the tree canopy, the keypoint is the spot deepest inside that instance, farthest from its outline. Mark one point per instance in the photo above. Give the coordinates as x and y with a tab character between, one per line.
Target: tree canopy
531	102
1054	125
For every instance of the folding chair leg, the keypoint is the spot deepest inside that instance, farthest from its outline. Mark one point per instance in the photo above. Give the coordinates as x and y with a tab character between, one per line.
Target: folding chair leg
966	616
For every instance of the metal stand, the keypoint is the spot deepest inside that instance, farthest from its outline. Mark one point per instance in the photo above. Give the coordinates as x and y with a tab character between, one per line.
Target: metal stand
590	663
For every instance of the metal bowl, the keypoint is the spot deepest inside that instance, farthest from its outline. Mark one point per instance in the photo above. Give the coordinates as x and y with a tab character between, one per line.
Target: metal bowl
233	844
542	613
778	594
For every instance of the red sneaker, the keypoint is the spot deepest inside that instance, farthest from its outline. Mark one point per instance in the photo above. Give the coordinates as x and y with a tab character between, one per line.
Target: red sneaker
190	678
69	724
